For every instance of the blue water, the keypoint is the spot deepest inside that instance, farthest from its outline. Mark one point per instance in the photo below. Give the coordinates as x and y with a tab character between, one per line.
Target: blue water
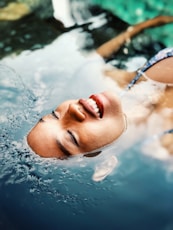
49	194
137	196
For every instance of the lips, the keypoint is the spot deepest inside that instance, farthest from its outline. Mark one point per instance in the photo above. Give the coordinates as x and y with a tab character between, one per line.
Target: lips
93	105
99	104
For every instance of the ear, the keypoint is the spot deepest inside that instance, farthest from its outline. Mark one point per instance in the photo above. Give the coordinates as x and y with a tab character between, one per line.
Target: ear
92	154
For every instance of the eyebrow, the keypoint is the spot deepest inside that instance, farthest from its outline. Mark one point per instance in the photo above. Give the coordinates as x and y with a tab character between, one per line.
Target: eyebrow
63	149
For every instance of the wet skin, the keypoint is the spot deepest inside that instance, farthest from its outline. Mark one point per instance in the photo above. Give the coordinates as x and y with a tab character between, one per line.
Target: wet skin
78	126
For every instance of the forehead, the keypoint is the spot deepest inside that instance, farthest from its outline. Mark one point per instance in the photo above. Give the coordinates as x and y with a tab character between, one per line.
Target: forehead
42	141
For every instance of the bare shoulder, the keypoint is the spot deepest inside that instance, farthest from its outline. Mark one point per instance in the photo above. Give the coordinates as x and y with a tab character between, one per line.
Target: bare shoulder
162	71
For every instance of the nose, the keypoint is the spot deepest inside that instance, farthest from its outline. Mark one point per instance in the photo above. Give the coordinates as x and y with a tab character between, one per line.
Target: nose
75	112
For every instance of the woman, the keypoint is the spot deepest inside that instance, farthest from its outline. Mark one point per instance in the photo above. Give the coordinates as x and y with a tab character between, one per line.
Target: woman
85	126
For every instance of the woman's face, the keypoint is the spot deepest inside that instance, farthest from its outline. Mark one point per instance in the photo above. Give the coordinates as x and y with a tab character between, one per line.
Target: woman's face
78	126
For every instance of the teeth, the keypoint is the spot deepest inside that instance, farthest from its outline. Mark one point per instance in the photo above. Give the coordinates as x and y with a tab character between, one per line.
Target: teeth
91	102
96	109
94	105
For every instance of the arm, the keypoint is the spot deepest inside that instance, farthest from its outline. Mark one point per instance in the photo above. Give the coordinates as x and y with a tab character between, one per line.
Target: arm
112	46
123	77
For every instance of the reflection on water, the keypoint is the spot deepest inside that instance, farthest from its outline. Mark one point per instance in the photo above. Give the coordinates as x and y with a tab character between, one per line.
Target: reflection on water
50	194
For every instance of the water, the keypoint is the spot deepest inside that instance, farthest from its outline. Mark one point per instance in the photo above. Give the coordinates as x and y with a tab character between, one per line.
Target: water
139	11
137	194
39	193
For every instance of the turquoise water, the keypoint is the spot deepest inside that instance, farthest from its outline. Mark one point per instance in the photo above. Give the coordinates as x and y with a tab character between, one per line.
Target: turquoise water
135	11
50	194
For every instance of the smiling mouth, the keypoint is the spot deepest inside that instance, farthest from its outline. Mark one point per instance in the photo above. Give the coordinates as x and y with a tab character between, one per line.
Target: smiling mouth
93	105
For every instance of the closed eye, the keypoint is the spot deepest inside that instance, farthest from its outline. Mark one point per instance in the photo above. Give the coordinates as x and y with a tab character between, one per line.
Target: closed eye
54	114
73	138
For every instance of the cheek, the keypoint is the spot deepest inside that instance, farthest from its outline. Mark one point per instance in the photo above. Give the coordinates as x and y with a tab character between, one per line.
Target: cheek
94	136
89	138
98	129
105	131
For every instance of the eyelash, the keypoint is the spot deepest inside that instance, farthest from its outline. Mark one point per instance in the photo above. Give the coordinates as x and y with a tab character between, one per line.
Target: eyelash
71	134
41	120
54	114
72	137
